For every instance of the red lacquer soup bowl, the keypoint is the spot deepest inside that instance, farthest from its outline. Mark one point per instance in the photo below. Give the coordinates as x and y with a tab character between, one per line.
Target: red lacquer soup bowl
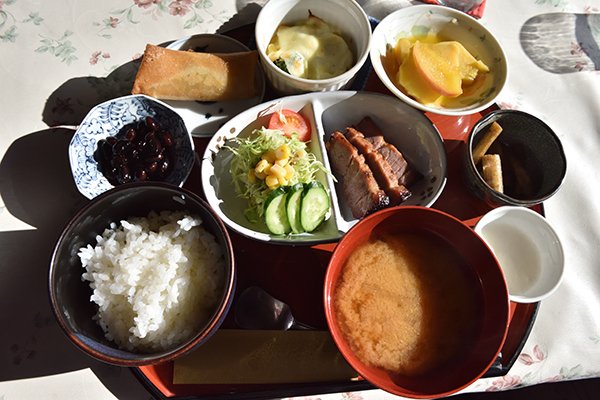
416	302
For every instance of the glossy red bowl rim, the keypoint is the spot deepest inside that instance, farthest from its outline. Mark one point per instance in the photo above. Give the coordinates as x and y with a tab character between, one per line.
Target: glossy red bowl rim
379	377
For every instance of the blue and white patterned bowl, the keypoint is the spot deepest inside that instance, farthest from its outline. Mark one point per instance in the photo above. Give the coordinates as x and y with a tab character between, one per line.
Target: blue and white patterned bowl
107	119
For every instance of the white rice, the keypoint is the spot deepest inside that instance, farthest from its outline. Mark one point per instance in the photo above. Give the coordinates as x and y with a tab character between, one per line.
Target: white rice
156	280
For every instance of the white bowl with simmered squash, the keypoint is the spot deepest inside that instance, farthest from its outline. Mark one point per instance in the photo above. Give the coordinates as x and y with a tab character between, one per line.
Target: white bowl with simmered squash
439	60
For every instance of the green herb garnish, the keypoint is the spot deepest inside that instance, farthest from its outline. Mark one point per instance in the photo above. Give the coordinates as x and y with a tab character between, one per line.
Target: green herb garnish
280	63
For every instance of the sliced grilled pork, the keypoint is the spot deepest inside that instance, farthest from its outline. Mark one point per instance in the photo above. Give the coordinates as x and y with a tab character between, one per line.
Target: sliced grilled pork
340	153
386	178
352	134
376	141
368	127
406	175
383	173
361	192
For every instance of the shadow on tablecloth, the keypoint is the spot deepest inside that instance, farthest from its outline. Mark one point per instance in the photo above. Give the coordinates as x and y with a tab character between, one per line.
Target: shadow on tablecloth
37	188
72	100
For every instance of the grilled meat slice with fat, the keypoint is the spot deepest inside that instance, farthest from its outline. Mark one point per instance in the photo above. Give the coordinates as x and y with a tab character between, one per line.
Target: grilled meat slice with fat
382	171
361	192
406	175
376	141
368	127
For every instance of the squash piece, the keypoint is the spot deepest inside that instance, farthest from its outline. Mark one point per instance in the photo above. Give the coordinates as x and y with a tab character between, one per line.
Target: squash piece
445	66
409	78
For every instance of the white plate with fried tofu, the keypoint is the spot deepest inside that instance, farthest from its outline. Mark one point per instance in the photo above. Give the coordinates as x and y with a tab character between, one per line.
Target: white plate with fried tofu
204	118
357	136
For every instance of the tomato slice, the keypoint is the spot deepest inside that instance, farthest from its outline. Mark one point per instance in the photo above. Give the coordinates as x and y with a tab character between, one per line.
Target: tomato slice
290	122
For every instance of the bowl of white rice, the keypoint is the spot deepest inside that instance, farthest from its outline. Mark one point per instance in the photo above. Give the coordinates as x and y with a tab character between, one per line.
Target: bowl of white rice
142	274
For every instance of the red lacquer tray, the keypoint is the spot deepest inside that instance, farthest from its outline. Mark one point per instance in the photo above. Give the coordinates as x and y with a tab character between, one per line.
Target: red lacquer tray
295	275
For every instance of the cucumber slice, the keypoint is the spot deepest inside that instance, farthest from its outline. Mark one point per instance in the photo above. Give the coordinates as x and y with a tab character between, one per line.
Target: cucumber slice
275	212
293	203
314	207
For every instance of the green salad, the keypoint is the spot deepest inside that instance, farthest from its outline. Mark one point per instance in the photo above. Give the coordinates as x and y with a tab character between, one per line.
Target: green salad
249	153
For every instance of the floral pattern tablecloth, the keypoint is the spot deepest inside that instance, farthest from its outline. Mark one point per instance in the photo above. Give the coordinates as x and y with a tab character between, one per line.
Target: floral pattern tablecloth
59	58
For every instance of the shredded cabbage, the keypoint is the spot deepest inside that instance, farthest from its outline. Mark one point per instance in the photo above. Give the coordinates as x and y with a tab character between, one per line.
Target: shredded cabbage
248	151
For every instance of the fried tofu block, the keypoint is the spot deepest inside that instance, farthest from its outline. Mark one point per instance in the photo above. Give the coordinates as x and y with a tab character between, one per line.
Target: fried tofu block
186	75
492	171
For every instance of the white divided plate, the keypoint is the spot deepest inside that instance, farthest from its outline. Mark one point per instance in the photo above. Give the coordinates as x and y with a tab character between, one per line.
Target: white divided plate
403	126
204	118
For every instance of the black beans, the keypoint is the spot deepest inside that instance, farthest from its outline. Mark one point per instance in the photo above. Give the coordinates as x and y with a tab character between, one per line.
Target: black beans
131	134
151	124
141	175
111	140
166	138
140	152
163	166
152	167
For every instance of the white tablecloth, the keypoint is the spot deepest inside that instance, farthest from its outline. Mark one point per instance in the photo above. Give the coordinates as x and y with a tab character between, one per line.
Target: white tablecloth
59	58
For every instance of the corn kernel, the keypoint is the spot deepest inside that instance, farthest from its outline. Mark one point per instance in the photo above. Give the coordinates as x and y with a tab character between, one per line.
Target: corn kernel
282	152
282	181
272	181
301	153
283	162
278	171
269	156
289	172
261	165
251	176
260	175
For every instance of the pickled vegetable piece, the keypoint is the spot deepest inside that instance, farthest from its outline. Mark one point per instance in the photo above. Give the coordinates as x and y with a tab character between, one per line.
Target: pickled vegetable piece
486	141
492	171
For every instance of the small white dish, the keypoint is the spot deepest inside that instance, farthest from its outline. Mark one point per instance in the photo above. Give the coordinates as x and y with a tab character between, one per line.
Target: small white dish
406	128
451	25
204	118
528	250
